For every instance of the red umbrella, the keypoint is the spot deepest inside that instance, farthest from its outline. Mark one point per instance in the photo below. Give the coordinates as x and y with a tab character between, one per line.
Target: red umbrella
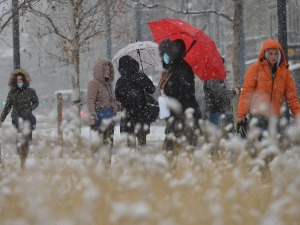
202	53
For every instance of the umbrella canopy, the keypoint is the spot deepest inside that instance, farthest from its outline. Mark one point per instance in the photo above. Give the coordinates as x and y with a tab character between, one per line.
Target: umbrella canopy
145	52
202	53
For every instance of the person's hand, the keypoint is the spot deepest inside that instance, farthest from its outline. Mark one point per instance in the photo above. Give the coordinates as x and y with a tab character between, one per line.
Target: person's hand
237	91
241	119
297	119
119	105
92	119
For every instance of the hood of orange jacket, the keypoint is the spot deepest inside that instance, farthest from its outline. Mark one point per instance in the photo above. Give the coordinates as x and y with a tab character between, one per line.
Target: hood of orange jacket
269	44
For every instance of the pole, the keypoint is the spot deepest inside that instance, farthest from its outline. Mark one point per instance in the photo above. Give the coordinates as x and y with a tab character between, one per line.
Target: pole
282	25
16	36
1	161
242	46
138	34
282	38
59	123
108	30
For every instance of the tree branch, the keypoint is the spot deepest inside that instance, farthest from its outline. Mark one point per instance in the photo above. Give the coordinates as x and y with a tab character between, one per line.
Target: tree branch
56	31
92	35
187	11
23	4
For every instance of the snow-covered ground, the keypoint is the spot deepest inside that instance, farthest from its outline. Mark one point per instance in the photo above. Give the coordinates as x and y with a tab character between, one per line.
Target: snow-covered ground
147	187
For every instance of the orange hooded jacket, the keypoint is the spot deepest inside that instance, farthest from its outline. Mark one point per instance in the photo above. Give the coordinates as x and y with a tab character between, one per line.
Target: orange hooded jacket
261	95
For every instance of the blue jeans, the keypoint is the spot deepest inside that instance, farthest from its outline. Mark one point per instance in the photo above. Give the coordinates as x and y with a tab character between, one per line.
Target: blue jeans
215	118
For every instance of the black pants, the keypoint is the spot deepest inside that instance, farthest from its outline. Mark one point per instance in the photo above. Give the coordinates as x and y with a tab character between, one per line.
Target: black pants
177	131
140	138
138	135
108	133
23	141
263	124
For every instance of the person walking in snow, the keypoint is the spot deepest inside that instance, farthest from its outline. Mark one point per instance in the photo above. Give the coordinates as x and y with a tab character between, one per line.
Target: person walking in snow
130	91
267	83
178	84
217	100
22	100
218	107
102	104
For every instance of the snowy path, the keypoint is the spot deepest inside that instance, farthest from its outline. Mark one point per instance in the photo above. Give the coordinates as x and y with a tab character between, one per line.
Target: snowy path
45	137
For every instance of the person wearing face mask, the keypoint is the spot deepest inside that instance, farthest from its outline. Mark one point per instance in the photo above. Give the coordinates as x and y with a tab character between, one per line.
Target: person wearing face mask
22	100
102	104
178	84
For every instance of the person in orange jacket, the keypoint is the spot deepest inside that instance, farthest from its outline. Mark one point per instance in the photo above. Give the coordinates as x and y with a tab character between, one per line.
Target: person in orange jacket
267	82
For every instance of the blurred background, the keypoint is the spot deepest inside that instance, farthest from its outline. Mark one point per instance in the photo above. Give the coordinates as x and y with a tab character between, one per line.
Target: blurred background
60	38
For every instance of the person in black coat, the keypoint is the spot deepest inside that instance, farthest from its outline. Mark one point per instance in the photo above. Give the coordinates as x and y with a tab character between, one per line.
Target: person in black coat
218	101
130	92
178	83
21	101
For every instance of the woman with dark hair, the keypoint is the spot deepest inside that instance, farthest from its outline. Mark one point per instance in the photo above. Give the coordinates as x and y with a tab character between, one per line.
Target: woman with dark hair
130	91
22	100
178	83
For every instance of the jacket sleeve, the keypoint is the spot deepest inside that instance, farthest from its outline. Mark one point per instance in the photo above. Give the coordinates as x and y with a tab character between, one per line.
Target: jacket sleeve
7	107
248	89
34	100
218	88
91	98
291	95
146	83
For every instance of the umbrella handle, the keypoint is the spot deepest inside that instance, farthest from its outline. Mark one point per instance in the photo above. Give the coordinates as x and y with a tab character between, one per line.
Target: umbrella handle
139	53
193	43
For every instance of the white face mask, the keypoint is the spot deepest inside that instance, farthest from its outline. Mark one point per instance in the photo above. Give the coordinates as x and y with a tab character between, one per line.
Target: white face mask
166	58
20	85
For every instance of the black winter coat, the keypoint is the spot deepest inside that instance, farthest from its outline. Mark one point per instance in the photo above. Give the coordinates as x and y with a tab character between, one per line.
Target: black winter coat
20	100
181	86
129	91
216	96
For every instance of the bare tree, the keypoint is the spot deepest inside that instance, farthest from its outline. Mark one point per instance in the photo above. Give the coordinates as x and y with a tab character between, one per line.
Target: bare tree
71	25
65	30
6	11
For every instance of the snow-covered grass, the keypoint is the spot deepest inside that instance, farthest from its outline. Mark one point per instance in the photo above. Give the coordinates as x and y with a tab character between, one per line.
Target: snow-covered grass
143	188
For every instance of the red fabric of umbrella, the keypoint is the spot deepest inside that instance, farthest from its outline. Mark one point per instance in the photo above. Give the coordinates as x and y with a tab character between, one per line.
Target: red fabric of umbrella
203	55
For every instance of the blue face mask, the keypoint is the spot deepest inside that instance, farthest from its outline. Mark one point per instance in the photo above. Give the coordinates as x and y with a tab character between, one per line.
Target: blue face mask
20	85
166	58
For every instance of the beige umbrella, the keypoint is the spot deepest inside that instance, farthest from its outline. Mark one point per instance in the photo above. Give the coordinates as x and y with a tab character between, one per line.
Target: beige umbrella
145	52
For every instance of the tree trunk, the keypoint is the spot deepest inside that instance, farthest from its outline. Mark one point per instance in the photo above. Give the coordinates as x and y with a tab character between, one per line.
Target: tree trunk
75	77
75	69
108	32
16	36
236	50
